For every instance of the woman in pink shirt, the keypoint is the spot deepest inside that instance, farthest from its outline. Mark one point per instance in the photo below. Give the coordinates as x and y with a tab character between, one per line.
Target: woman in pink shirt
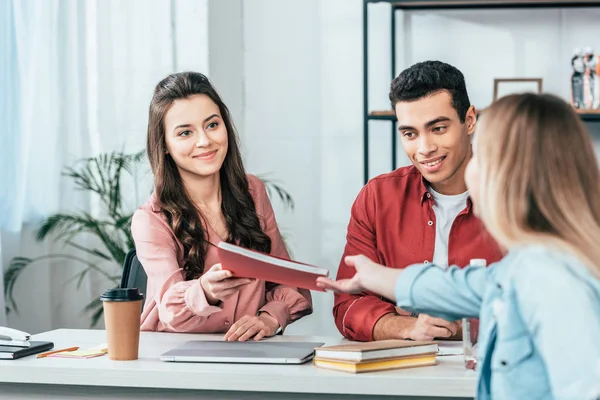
202	195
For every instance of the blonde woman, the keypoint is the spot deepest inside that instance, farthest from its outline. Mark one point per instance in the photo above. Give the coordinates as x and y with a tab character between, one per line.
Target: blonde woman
535	184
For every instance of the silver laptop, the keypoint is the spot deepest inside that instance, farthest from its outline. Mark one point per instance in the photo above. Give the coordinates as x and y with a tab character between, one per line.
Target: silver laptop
251	352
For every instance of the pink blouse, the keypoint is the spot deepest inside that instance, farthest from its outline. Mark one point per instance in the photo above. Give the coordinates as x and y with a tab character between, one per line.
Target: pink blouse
176	305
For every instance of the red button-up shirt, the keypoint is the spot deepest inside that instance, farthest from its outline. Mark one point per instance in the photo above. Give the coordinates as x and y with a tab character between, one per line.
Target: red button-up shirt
393	223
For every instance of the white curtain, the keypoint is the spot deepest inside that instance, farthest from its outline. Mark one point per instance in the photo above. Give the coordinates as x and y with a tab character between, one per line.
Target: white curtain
2	305
80	79
8	124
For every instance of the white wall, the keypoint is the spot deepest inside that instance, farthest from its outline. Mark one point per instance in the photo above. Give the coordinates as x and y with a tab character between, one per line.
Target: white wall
281	131
226	53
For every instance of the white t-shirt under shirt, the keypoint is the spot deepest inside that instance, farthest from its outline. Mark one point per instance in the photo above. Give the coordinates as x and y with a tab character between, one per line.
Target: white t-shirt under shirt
446	208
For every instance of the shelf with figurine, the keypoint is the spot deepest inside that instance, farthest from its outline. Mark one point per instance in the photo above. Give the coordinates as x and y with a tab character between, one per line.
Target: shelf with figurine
388	115
585	94
584	81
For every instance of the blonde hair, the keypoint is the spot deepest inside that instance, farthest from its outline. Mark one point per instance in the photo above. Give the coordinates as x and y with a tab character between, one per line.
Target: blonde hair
539	178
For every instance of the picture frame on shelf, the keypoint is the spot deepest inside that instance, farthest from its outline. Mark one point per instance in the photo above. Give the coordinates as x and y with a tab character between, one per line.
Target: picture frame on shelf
506	86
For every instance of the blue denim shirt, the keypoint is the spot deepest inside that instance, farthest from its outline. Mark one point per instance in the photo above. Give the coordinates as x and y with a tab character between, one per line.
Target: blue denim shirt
539	310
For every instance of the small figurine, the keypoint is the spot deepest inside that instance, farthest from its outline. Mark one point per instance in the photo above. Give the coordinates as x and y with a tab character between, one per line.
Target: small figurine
578	66
591	64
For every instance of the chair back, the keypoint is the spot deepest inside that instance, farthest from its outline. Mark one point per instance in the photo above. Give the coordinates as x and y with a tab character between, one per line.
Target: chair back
134	275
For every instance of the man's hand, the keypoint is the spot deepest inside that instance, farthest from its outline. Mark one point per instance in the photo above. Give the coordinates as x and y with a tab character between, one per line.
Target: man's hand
247	327
425	327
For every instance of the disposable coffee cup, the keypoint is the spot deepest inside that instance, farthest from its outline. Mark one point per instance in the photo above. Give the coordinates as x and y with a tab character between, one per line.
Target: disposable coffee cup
122	311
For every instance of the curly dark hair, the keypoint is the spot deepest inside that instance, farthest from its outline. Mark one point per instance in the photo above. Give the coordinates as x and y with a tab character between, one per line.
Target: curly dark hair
188	224
428	77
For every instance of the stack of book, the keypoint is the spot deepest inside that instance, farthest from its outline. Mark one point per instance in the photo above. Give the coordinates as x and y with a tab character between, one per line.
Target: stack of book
376	356
16	344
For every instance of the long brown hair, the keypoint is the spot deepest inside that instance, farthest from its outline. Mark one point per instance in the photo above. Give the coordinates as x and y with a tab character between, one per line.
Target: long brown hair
187	222
539	178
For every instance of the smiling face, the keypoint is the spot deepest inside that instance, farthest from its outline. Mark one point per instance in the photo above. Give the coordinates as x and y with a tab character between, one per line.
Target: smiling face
196	136
436	141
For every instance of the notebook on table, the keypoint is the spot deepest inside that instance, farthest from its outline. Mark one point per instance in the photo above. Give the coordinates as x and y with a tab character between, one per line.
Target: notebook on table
376	350
83	353
384	364
14	352
250	352
376	356
245	263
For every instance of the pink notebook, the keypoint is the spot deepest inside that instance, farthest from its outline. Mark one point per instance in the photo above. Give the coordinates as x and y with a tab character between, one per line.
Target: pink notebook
245	263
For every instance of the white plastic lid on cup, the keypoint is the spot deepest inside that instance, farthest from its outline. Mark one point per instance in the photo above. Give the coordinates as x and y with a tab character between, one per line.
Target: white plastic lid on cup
478	262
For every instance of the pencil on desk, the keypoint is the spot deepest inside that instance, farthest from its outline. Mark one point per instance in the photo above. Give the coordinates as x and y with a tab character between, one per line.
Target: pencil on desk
42	355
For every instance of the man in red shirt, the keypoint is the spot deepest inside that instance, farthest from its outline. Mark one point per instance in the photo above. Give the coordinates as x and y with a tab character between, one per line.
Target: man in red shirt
420	213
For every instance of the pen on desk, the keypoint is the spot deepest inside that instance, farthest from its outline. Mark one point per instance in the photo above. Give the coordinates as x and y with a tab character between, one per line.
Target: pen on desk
42	355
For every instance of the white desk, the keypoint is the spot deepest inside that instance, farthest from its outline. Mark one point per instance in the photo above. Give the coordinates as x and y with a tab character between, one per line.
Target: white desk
149	378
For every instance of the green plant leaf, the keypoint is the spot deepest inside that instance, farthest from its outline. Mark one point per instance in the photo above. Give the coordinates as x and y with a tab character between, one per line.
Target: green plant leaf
15	268
84	179
274	186
102	175
18	264
132	161
123	221
63	225
94	252
67	226
92	305
96	316
95	307
117	161
96	166
123	225
81	276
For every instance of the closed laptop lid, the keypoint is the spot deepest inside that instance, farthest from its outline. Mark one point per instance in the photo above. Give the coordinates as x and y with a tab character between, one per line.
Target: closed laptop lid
262	352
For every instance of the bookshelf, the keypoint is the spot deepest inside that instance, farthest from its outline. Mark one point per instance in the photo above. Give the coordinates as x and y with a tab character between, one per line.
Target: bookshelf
414	5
